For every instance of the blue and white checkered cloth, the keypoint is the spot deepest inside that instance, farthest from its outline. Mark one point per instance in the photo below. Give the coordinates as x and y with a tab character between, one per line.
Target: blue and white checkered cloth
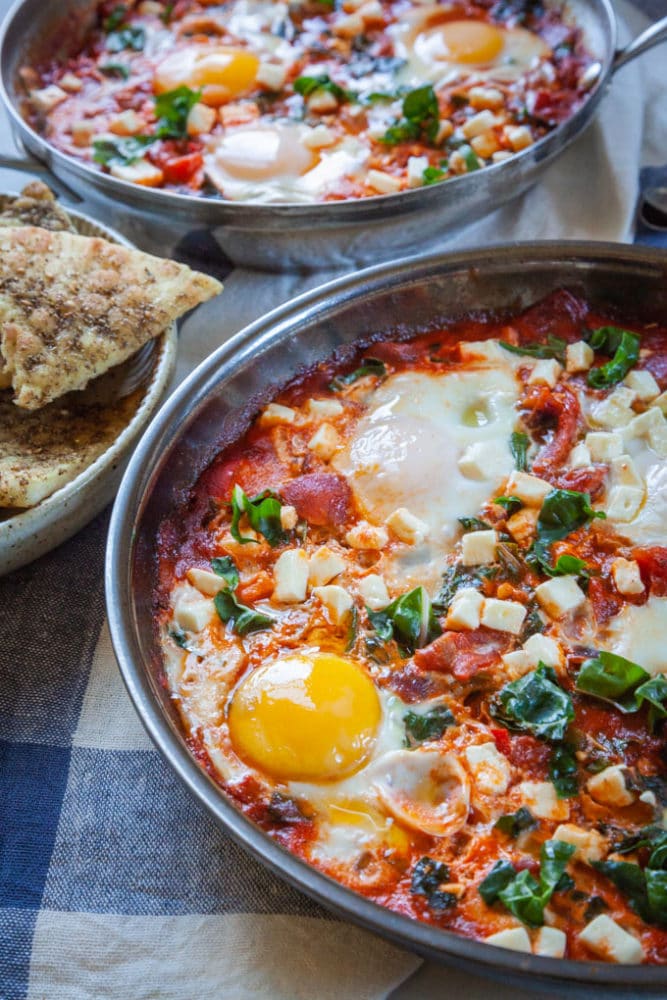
113	881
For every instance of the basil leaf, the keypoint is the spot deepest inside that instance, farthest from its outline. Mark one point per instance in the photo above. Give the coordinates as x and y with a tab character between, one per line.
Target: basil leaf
427	726
421	118
553	348
519	447
115	69
307	85
132	36
369	366
225	567
563	771
611	677
511	504
562	512
500	876
121	151
470	158
536	704
523	895
263	513
568	566
427	877
473	524
433	175
409	620
554	856
172	109
623	345
243	619
515	823
115	18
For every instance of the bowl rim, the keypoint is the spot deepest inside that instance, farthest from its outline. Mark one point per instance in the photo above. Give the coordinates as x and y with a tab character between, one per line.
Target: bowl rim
442	945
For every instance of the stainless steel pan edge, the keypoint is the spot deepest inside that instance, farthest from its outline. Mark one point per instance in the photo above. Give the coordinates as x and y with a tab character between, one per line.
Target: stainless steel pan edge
290	236
161	467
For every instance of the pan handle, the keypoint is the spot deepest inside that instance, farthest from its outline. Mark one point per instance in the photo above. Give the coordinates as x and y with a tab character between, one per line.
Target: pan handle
25	162
653	35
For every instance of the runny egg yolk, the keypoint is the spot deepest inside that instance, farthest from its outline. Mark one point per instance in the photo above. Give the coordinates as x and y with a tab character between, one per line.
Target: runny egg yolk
305	717
471	42
223	73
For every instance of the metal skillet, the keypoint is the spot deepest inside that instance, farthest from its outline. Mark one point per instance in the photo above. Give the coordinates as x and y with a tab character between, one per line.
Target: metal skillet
213	407
296	236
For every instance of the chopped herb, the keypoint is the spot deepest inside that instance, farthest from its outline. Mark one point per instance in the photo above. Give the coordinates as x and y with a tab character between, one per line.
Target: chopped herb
132	36
225	567
563	771
165	16
517	822
473	524
553	348
563	511
172	109
369	366
263	513
242	618
115	18
433	175
421	118
427	726
519	444
470	158
307	85
428	876
623	345
409	620
511	504
121	151
568	566
535	703
625	684
115	69
520	892
177	634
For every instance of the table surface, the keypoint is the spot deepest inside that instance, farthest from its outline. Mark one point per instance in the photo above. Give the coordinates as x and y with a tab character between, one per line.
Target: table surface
56	620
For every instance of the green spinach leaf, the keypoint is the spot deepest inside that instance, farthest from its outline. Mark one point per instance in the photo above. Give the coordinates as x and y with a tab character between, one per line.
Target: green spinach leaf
623	345
553	348
172	109
428	876
623	683
520	892
369	366
421	118
535	703
409	620
225	567
121	151
263	513
307	85
473	524
562	512
517	822
429	725
511	504
563	771
243	619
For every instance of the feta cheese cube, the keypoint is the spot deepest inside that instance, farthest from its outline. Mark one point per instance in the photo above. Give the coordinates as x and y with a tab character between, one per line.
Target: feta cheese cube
480	98
540	797
503	616
626	576
514	938
657	438
518	136
661	403
523	524
194	615
642	425
47	98
275	413
336	600
407	527
580	456
349	26
290	574
206	582
542	648
141	172
607	939
367	536
126	123
200	120
490	769
518	663
383	182
478	547
624	472
623	502
324	565
288	517
71	83
550	942
643	383
324	408
485	144
604	445
589	844
319	137
271	75
481	122
615	410
531	490
374	592
478	459
325	442
322	102
578	357
415	172
465	610
609	787
560	595
546	372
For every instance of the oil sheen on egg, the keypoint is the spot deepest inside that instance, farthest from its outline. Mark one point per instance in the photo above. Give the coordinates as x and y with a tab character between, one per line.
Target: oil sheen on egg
406	452
272	163
439	49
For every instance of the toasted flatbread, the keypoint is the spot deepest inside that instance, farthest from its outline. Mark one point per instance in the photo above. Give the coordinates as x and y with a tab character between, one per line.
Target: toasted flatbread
36	206
71	307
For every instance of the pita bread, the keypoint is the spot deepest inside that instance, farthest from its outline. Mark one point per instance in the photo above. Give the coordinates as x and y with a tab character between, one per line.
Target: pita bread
71	307
36	206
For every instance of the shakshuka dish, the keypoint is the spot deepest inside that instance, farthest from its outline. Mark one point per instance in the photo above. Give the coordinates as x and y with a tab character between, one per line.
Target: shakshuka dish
313	100
414	622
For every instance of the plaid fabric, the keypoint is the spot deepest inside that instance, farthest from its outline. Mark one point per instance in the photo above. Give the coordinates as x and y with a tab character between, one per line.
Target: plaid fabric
113	881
